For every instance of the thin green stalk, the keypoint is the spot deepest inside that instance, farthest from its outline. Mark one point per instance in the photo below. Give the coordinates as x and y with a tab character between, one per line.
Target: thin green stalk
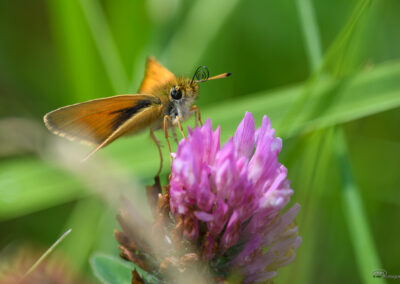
105	44
357	221
310	33
48	251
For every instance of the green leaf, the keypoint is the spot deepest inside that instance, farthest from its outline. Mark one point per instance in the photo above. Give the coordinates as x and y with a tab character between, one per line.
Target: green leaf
111	270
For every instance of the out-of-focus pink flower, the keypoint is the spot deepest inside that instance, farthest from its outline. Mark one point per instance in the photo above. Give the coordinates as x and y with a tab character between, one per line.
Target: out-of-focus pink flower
231	199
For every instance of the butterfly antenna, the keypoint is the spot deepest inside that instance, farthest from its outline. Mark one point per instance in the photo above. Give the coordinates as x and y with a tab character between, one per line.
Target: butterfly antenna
200	75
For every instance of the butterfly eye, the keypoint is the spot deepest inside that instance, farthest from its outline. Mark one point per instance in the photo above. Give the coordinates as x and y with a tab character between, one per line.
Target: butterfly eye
176	94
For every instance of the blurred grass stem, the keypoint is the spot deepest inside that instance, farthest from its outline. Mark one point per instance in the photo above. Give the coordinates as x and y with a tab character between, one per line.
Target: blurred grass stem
48	251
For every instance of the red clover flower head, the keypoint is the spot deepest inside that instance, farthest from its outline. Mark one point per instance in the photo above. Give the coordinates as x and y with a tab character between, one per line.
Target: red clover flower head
231	199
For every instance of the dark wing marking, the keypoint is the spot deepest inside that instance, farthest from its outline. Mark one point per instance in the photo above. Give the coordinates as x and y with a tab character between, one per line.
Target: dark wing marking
126	113
146	117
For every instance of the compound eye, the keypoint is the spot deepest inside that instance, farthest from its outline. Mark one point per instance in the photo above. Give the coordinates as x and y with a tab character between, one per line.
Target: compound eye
176	94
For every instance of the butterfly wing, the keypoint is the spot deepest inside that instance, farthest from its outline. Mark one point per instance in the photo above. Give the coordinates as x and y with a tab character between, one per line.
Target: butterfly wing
155	76
95	121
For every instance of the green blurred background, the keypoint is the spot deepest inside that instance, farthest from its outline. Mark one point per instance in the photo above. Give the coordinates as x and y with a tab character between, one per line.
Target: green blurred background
327	73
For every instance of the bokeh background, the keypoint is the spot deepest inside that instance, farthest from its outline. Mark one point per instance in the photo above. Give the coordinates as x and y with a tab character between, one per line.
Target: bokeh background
327	73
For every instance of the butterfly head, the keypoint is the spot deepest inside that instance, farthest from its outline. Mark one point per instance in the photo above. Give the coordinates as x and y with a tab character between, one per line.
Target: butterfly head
184	91
182	94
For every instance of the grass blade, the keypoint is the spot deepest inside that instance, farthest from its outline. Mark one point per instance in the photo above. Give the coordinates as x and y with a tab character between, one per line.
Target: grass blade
334	54
365	251
105	44
76	51
200	27
308	161
310	33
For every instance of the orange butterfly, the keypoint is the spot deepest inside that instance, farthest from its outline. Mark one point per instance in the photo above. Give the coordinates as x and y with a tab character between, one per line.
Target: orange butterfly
163	101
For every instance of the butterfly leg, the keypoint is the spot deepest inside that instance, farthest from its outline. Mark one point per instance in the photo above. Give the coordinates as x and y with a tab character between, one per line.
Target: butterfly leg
166	119
197	115
154	138
180	126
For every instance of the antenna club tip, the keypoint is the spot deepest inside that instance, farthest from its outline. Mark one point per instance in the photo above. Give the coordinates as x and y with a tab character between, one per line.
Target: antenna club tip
228	74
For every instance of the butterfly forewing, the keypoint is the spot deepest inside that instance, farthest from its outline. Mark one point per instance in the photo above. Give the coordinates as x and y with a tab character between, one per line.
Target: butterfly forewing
155	76
95	121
